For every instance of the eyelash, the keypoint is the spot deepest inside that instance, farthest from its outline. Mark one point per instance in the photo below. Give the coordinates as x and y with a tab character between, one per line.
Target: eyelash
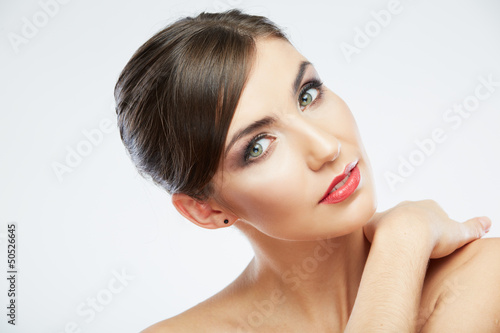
313	84
249	146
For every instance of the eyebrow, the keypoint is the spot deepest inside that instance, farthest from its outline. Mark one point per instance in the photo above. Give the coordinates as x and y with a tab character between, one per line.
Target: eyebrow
264	122
300	76
268	120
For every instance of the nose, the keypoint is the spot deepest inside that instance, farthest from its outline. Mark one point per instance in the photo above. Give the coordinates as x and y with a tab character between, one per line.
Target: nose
317	142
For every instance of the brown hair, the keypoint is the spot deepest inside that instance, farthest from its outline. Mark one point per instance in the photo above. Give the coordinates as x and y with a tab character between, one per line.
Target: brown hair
176	97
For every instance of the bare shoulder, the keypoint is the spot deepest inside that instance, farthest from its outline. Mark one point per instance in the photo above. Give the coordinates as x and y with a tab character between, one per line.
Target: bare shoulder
204	317
196	319
217	314
462	291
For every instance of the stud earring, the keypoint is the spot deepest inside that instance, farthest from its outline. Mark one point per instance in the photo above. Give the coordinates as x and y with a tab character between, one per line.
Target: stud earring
226	221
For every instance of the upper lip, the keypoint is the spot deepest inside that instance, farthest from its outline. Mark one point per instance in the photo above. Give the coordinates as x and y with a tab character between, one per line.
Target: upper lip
340	177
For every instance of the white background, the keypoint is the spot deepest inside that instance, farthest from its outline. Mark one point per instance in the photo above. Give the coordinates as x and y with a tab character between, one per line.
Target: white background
77	232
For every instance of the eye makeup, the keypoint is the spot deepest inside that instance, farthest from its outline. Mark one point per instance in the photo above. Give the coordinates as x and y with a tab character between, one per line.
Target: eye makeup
246	152
313	84
251	145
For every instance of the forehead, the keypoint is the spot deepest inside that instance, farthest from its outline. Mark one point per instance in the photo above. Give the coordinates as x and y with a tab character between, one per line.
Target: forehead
270	81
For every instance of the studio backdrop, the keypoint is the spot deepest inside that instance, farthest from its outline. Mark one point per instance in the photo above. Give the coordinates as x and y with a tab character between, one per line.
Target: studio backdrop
100	249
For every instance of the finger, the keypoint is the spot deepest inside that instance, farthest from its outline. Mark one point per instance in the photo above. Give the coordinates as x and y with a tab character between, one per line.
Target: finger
486	223
474	228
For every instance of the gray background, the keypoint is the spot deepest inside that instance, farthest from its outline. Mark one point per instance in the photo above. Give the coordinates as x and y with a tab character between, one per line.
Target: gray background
76	232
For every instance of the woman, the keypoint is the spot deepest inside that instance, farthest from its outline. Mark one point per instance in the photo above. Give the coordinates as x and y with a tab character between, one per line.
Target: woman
223	113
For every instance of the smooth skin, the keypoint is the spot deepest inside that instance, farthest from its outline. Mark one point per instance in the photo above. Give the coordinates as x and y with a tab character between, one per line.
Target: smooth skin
330	267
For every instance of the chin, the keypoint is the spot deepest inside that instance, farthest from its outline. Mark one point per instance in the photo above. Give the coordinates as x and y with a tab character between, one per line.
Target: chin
358	213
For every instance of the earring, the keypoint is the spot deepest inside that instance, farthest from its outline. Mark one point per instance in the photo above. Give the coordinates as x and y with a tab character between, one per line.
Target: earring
226	221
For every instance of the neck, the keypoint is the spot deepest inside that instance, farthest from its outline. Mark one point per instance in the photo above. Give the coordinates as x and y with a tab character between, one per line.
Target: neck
321	278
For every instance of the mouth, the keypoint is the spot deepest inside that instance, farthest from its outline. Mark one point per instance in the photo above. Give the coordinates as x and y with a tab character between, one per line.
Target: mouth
343	185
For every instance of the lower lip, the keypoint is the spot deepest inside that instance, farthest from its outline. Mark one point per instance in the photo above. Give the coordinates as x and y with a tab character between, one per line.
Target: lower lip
346	190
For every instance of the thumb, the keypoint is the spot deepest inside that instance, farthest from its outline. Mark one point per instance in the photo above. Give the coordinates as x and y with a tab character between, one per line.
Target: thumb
474	228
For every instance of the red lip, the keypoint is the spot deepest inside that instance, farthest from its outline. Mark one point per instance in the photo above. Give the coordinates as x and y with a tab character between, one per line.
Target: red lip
346	189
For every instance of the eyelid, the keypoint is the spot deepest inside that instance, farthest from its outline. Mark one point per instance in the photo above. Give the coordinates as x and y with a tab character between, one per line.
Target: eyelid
249	145
314	83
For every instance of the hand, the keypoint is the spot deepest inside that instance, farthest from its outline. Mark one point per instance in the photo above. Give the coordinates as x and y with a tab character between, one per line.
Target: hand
426	221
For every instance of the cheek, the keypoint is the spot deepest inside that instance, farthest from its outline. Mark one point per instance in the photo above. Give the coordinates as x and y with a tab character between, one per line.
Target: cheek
269	192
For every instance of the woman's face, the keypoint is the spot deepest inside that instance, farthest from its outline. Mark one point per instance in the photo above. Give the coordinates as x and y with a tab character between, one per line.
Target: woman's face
297	137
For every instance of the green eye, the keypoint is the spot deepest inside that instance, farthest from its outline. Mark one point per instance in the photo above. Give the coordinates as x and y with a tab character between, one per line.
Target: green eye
256	150
309	94
258	147
306	99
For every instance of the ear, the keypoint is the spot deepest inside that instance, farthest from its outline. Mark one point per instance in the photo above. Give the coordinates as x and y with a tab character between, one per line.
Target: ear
206	214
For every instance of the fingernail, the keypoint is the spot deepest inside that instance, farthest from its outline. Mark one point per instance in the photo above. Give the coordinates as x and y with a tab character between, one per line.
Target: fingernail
486	223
